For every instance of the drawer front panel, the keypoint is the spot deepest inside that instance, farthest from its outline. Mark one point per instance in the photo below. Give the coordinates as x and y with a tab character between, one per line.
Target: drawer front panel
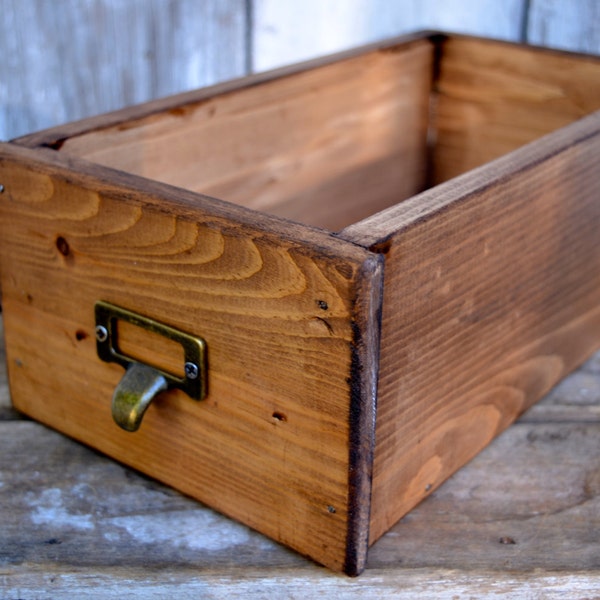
269	445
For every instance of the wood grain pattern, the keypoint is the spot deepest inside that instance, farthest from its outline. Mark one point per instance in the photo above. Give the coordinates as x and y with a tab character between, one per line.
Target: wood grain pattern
492	98
491	296
74	522
271	443
75	58
325	147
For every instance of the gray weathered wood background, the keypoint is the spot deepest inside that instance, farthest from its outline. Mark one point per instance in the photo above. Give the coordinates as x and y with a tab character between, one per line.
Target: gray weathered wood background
62	60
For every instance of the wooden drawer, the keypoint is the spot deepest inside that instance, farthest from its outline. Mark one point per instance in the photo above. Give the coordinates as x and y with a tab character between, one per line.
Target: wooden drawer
389	255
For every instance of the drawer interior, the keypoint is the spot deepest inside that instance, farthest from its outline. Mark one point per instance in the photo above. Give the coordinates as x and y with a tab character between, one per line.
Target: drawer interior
332	144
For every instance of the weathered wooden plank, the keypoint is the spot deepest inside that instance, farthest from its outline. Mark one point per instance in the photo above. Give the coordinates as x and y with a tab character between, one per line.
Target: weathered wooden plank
286	32
67	59
487	18
401	584
122	53
575	399
532	500
565	24
522	517
64	505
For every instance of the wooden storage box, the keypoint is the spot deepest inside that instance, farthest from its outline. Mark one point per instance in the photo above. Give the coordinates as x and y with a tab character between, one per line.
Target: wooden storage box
388	277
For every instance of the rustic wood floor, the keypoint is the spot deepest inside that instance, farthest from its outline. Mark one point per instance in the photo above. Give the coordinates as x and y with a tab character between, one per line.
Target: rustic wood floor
522	519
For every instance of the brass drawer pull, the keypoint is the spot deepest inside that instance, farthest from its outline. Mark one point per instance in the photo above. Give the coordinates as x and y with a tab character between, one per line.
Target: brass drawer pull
141	382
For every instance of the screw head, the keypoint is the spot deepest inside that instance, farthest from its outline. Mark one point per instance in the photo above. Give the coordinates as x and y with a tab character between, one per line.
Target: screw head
1	188
191	370
101	333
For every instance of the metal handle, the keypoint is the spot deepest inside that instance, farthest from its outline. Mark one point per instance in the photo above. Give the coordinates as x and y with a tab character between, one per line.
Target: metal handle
134	393
141	383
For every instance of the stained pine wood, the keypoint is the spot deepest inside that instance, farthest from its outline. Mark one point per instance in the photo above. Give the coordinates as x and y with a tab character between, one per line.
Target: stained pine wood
66	60
487	277
74	522
310	147
275	443
492	98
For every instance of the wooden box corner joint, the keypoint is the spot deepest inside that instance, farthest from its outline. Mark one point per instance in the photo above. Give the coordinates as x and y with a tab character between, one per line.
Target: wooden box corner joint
388	255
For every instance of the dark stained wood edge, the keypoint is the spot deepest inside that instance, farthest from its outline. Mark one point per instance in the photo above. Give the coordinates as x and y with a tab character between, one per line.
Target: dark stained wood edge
363	406
228	217
375	231
55	137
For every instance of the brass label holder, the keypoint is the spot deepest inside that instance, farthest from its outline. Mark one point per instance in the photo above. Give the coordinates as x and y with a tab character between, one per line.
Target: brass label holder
141	383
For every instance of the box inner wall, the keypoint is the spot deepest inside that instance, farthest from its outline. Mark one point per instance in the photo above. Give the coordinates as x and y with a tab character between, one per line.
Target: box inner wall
335	144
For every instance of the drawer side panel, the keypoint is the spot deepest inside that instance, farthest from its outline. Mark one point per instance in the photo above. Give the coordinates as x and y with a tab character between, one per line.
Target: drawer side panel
489	301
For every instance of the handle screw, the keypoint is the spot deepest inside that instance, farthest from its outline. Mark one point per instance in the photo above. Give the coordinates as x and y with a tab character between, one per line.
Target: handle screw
101	333
191	370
